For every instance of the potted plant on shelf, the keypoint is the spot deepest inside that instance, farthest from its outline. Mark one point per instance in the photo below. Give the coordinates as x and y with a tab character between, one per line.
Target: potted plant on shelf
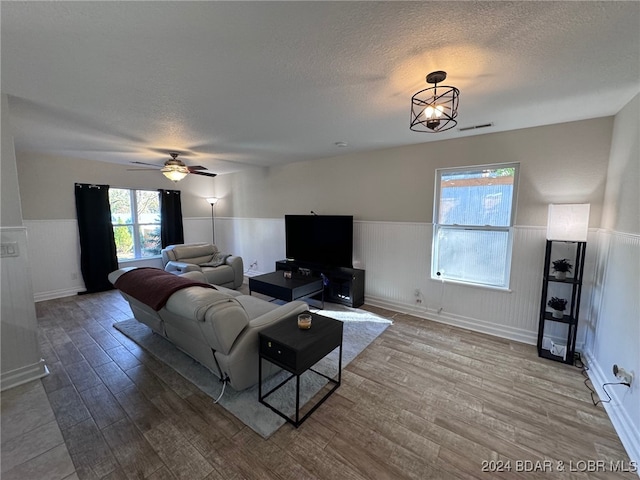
559	305
561	268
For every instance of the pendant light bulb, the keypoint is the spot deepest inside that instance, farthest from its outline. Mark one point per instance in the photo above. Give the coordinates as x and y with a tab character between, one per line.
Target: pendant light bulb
431	112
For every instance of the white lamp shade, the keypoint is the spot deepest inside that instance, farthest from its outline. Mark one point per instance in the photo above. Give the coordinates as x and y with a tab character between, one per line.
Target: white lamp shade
212	200
568	222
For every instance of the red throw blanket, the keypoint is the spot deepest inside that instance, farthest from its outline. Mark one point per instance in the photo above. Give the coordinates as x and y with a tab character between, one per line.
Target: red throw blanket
153	286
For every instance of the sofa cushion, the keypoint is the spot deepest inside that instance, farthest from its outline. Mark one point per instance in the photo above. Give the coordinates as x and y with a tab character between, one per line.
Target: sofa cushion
194	302
196	276
255	306
217	260
223	324
208	315
221	275
194	253
199	276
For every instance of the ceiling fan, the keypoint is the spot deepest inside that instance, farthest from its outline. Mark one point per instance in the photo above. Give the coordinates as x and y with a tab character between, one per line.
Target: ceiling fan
175	170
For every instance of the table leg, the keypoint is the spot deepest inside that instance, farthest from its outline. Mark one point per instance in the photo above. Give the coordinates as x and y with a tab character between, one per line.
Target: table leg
340	364
259	377
297	400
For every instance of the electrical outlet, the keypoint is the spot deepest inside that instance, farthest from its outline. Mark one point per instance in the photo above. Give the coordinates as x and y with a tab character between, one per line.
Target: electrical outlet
253	265
9	249
418	294
622	375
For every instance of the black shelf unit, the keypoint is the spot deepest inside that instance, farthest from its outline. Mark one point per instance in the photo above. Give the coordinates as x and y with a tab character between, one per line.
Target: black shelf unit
342	285
571	289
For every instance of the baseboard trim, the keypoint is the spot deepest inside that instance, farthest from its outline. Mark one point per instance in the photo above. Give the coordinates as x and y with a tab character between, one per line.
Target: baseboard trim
476	325
23	375
618	415
53	294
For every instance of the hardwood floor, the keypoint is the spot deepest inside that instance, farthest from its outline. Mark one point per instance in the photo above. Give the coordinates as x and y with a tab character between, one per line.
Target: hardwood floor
425	400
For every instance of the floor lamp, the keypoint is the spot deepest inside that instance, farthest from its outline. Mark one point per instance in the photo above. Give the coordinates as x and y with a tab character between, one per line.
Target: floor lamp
212	201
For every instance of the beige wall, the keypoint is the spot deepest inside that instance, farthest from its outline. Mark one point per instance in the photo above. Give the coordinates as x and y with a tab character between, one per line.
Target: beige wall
562	163
10	214
622	199
565	163
47	185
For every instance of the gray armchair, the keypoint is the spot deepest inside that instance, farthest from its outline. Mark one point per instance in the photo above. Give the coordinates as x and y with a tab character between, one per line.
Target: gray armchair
218	268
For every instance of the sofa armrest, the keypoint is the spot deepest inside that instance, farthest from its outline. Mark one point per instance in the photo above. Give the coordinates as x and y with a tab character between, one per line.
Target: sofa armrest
181	267
237	265
116	274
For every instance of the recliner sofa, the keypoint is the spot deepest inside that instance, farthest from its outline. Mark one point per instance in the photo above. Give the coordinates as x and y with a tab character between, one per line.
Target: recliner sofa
217	327
218	268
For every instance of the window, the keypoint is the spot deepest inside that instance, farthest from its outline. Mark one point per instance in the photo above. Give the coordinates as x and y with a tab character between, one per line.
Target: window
135	216
474	211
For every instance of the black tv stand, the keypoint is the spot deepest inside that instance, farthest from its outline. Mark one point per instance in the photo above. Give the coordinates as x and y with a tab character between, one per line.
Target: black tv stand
343	285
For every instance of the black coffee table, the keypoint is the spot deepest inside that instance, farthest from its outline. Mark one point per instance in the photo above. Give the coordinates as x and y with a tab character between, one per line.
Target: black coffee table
296	351
297	287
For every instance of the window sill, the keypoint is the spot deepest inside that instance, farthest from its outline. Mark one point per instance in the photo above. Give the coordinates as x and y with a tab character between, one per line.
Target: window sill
473	285
141	259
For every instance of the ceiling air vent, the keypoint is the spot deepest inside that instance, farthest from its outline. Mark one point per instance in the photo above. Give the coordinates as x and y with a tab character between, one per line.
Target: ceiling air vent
475	127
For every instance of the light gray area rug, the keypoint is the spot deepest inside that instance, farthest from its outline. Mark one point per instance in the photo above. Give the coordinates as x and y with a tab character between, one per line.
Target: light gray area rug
360	329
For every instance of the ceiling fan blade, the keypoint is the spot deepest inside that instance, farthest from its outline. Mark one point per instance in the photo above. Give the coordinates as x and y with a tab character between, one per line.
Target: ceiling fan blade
197	167
206	174
144	163
142	169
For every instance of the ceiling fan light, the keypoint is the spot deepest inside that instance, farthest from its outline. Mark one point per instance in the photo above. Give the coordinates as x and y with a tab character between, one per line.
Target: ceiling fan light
175	173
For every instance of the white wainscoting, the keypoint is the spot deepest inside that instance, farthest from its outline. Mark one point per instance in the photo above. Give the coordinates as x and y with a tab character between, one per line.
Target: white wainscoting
21	360
258	240
397	259
614	333
54	250
395	255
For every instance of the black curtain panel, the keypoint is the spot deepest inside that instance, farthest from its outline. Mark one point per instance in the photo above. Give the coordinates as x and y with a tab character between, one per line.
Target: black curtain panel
97	245
171	232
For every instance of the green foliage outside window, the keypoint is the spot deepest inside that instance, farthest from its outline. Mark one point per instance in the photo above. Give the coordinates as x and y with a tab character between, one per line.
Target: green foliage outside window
124	242
135	215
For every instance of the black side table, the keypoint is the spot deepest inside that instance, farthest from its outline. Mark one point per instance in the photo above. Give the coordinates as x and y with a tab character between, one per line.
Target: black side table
296	351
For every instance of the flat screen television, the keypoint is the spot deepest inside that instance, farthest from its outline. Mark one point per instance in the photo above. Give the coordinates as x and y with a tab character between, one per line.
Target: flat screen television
325	240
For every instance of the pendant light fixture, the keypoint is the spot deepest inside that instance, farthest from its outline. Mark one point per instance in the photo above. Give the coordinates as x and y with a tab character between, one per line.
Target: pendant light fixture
434	109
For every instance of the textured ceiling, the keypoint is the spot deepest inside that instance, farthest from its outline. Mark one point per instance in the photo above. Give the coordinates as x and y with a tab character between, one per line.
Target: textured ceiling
235	84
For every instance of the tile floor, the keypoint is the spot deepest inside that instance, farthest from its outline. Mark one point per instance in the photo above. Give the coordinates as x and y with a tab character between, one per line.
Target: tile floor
32	444
449	399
